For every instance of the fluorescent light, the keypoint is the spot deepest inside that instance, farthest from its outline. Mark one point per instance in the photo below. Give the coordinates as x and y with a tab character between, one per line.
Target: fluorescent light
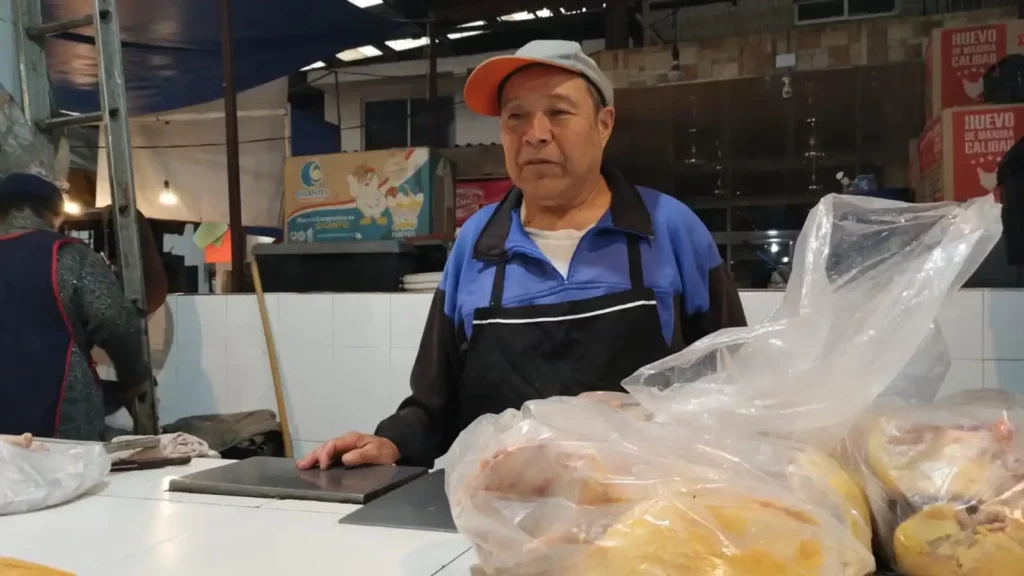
407	43
544	13
457	35
358	53
516	16
366	3
469	24
313	66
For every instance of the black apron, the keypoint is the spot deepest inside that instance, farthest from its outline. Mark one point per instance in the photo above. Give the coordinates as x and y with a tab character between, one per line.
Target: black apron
532	352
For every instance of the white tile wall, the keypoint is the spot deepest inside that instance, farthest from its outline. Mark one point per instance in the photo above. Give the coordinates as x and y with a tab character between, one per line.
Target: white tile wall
1004	320
346	359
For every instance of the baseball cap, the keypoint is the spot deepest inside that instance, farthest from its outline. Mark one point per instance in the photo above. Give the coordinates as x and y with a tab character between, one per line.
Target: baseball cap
25	186
481	91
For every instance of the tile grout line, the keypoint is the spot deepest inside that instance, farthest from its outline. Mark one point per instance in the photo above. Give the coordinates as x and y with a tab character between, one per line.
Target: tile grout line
452	561
984	335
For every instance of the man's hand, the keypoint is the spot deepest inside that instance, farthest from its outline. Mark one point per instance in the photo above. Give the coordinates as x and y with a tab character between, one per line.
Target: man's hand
353	449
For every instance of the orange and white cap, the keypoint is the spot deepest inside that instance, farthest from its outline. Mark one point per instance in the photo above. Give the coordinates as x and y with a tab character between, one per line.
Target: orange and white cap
483	87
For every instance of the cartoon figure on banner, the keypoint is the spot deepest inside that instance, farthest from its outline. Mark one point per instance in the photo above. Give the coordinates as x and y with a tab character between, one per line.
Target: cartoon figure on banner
365	186
405	209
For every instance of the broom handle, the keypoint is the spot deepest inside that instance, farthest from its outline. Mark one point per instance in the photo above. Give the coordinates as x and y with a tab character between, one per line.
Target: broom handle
282	412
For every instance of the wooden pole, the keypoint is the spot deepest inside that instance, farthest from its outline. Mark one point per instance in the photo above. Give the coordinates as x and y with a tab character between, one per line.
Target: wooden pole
275	372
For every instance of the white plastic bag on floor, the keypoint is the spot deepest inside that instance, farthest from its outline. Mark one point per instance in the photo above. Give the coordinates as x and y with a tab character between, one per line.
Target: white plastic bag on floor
33	479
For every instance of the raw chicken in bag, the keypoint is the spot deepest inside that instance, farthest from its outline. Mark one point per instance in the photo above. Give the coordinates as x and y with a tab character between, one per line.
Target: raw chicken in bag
709	469
576	487
946	483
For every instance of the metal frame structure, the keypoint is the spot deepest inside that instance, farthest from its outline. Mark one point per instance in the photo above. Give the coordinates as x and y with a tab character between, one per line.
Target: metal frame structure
39	110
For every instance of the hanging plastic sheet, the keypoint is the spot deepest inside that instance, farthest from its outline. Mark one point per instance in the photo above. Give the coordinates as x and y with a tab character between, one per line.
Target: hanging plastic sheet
22	148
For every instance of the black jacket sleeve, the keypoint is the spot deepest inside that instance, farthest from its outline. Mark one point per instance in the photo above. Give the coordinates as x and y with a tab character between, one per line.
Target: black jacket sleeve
725	309
418	427
102	313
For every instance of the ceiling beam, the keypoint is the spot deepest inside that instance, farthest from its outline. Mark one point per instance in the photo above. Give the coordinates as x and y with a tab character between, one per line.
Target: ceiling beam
507	35
473	10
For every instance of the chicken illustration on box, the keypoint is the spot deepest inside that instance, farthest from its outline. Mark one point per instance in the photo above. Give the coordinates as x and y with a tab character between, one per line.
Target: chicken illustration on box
372	195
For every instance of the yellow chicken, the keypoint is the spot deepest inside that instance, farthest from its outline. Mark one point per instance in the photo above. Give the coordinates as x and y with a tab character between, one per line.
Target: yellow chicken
613	523
945	540
719	532
955	481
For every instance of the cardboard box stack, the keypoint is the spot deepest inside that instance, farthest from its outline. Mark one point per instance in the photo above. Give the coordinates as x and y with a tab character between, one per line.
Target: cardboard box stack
964	139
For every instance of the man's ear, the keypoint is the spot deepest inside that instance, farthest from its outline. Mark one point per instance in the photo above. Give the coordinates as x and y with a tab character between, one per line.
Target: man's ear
605	123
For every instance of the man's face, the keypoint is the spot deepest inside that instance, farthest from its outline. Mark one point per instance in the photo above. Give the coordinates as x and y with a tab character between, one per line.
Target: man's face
552	132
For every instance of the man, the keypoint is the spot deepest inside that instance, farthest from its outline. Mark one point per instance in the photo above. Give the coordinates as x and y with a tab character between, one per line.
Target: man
58	299
571	283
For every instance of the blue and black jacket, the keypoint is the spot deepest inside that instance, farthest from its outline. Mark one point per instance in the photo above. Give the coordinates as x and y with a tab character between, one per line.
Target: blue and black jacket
681	264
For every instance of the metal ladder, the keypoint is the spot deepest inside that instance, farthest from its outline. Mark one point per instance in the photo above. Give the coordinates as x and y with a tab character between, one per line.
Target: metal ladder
40	110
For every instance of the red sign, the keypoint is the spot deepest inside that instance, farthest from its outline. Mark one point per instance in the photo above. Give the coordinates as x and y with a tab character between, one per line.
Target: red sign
956	60
980	139
967	53
472	195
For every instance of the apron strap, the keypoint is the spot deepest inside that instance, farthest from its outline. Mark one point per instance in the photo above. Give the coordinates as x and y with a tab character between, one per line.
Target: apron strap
498	288
636	263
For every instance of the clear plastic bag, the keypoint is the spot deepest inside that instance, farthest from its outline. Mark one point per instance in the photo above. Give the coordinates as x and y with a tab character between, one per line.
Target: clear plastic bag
34	478
946	483
22	148
869	278
573	486
709	469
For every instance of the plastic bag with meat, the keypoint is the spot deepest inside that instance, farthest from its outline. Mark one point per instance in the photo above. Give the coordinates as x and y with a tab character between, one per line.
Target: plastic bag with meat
946	483
709	469
578	487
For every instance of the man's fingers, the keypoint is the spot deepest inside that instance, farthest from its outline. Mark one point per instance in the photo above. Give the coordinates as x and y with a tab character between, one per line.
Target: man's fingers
310	459
353	449
368	454
376	451
326	454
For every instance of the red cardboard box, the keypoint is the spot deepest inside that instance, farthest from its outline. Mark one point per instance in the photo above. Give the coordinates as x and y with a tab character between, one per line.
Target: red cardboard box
956	60
472	195
960	150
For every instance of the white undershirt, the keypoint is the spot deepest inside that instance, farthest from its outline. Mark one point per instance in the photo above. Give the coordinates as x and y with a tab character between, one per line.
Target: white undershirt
557	245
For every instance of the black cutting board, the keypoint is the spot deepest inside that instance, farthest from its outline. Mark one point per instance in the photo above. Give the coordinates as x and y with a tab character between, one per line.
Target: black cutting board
264	477
419	505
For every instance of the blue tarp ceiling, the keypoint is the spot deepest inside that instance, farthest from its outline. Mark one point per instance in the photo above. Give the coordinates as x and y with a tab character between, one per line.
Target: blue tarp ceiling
172	48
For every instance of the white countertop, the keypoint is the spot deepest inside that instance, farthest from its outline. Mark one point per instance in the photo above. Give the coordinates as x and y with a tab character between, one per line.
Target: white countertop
131	525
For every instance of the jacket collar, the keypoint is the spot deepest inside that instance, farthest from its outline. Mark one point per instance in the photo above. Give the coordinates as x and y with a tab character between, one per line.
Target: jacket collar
504	231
